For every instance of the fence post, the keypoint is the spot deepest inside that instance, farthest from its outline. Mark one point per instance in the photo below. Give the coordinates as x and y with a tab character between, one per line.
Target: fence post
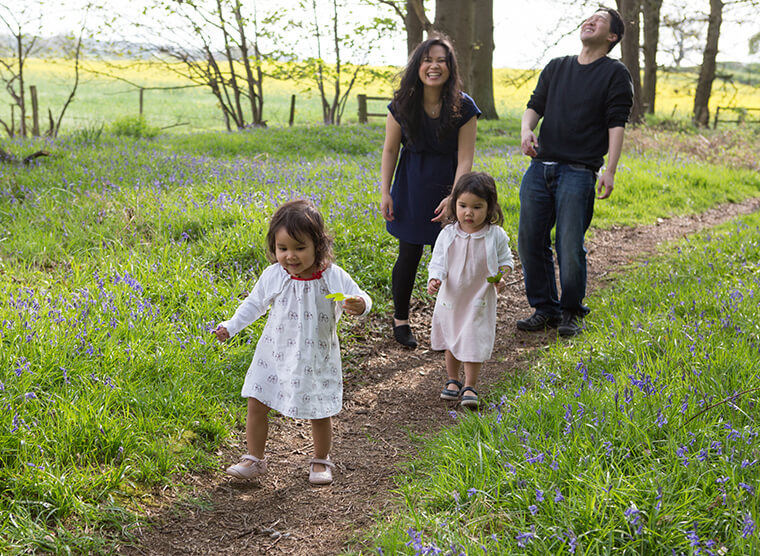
292	110
35	111
141	100
362	100
715	121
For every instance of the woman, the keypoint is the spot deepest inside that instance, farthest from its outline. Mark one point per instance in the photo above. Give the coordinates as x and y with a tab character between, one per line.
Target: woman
436	123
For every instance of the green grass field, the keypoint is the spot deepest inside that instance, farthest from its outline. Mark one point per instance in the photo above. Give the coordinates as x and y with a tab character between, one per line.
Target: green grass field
101	100
118	255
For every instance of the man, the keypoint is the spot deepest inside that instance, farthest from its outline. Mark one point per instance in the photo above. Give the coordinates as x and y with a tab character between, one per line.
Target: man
584	101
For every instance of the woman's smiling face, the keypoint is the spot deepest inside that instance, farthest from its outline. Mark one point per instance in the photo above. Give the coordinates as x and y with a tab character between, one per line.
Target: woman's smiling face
434	69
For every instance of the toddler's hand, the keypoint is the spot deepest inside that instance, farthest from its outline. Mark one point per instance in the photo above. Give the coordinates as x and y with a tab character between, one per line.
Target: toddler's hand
500	284
221	333
354	305
433	286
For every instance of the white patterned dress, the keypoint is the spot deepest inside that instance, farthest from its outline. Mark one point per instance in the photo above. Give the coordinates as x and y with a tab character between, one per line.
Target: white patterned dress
296	368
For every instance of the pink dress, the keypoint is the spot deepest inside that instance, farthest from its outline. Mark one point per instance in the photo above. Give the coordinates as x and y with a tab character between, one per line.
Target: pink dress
464	319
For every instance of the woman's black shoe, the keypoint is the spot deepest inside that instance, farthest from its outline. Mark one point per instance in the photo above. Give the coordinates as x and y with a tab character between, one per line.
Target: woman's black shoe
404	336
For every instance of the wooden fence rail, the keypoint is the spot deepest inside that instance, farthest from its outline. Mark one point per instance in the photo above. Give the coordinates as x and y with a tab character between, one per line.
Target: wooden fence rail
363	114
741	115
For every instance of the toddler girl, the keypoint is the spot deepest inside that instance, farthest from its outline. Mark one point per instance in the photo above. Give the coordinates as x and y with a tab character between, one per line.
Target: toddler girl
296	368
469	259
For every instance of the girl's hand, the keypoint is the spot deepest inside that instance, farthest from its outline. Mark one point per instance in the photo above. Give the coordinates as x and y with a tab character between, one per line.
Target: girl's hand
442	210
500	284
221	333
433	286
354	305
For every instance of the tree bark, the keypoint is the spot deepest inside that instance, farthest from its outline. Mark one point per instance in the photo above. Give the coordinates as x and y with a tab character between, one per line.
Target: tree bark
455	18
707	70
651	10
414	24
481	86
630	46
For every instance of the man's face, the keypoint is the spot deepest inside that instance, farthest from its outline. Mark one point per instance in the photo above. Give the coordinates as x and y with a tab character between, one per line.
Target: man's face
596	29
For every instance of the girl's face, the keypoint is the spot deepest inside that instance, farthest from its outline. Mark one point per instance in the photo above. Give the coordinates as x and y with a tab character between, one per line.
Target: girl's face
471	212
295	255
434	71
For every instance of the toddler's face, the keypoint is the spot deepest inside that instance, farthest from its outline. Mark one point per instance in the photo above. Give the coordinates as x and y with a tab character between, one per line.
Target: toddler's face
471	212
297	256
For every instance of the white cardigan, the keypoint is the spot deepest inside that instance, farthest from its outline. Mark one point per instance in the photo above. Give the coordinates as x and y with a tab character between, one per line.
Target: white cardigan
498	253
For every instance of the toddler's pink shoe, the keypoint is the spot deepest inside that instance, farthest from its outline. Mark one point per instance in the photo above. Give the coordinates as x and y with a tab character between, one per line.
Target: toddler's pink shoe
245	471
321	477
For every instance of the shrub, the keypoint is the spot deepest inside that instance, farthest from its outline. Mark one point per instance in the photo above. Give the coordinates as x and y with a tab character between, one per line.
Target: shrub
133	126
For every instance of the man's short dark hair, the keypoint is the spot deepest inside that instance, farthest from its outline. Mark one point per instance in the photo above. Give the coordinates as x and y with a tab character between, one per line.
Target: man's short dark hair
617	26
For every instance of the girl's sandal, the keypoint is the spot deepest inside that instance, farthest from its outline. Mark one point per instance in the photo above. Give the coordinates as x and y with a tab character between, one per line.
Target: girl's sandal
469	401
321	477
451	395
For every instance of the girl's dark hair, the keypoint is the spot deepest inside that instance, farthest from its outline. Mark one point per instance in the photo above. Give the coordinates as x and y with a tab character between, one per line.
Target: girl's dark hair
483	186
407	101
301	220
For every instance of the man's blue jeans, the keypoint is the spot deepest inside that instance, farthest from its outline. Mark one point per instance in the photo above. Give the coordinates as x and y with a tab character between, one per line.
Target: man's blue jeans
561	194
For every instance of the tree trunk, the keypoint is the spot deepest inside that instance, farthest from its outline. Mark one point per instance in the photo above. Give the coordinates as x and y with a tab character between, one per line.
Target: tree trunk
455	18
651	9
414	24
707	70
481	87
630	46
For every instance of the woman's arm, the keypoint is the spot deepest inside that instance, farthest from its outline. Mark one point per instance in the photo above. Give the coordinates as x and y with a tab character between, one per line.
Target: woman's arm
391	148
465	155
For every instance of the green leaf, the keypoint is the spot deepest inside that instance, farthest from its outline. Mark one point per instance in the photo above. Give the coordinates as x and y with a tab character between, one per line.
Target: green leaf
337	296
496	278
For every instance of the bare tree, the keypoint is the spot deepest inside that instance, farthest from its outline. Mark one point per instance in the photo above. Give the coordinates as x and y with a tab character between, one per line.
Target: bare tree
481	77
456	19
327	68
630	10
23	24
651	12
414	18
218	45
701	116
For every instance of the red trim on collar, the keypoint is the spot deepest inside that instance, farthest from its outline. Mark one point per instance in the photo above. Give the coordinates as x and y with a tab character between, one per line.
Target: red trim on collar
316	276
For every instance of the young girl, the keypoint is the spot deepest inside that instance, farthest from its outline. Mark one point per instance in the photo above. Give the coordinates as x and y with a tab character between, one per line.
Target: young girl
296	368
436	123
469	259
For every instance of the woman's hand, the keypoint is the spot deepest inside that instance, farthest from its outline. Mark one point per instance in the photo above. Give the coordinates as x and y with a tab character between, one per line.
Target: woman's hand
386	207
221	333
433	286
442	210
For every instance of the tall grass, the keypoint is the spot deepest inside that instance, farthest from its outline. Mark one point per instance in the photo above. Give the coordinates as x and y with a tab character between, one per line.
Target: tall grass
118	255
640	437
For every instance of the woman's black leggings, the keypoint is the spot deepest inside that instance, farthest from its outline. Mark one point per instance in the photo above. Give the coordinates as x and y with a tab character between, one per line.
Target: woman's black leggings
403	276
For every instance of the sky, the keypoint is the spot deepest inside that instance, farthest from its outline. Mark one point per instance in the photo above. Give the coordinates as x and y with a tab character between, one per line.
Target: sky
523	30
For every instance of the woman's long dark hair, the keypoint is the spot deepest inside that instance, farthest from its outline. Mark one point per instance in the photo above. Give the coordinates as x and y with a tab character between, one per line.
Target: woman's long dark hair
407	101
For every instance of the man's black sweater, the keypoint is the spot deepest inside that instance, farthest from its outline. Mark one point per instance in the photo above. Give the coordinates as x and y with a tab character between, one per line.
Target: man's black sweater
579	103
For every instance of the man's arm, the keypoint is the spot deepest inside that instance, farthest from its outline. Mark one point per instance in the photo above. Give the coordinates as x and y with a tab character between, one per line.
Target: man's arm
607	181
528	141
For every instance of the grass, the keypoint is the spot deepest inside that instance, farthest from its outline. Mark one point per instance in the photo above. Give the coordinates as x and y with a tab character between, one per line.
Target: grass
640	437
119	254
101	99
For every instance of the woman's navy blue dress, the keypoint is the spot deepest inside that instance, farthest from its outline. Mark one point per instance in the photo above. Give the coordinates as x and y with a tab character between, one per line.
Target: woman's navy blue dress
424	176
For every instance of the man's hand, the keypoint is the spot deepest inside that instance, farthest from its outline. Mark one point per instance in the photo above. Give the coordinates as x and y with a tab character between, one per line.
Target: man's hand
528	142
605	185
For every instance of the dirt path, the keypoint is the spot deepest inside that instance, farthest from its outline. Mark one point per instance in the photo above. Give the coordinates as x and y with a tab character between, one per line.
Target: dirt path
391	395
